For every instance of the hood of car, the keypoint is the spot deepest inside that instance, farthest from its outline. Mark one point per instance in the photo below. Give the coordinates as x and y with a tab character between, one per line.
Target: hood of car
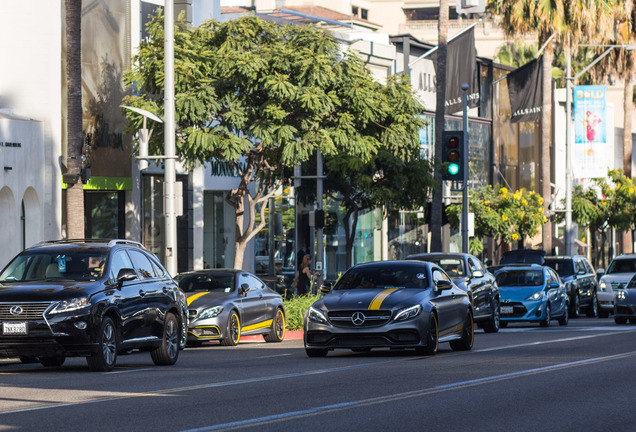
515	294
203	299
617	278
42	291
373	299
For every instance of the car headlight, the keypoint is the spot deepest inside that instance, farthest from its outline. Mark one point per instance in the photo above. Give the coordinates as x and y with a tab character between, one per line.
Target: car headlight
70	305
602	285
408	313
316	315
536	296
210	312
620	295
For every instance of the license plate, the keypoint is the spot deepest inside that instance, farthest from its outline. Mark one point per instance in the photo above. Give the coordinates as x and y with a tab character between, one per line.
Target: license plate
507	310
14	328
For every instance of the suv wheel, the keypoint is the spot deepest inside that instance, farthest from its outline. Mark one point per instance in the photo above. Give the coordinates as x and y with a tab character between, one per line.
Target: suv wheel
548	317
168	352
574	307
104	359
592	309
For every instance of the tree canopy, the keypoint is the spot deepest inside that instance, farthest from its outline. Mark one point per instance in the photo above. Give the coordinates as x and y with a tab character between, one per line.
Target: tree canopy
261	98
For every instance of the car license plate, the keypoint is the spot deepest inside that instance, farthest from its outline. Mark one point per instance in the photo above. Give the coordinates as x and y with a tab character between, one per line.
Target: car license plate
507	310
14	328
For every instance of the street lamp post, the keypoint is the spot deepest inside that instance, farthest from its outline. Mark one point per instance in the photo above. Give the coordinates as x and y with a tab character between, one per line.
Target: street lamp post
169	141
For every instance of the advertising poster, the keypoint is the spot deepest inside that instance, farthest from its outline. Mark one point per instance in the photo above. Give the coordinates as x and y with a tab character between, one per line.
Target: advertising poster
591	149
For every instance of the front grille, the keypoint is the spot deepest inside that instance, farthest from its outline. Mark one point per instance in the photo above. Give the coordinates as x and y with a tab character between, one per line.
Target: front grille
518	310
624	310
29	311
618	285
363	318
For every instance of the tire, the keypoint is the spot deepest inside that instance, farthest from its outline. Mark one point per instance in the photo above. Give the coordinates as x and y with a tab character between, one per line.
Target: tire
493	324
183	341
168	352
592	309
278	328
546	321
432	338
575	306
620	320
104	359
563	321
316	352
233	330
468	335
52	361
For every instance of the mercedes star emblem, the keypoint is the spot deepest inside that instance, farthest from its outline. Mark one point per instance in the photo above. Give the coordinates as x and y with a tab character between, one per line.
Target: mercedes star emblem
358	318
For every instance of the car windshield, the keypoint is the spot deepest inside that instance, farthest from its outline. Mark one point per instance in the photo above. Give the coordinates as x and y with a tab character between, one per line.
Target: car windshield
453	266
563	267
384	277
519	278
75	264
622	266
216	282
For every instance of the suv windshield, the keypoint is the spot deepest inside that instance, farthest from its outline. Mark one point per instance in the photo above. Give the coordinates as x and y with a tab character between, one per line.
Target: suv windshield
519	278
622	265
453	266
43	265
563	267
220	282
384	277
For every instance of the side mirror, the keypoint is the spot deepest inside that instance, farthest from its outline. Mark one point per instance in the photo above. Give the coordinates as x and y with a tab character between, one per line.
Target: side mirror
326	287
554	285
244	289
600	271
124	275
477	273
443	285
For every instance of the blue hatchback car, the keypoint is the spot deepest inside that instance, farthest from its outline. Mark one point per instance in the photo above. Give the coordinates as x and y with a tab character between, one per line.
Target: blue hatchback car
531	293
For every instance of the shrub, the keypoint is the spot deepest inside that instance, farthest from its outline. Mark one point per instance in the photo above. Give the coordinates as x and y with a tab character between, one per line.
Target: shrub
295	310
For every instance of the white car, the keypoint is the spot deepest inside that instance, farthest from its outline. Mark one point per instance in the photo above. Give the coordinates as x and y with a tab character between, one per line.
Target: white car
619	273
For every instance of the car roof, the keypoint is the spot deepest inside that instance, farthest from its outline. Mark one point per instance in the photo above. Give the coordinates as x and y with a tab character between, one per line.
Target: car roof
520	267
77	243
438	254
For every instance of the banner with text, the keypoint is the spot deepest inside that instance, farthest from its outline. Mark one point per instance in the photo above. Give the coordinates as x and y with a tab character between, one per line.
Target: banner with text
524	89
590	155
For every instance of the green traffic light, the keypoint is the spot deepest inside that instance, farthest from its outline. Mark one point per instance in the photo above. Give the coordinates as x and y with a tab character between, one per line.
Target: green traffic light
453	169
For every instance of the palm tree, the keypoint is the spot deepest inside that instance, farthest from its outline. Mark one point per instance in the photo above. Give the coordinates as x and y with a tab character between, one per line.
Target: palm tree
567	21
440	73
516	54
75	189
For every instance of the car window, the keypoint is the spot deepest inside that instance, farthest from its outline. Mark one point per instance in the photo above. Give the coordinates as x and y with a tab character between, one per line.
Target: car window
588	267
438	276
622	266
382	277
253	282
554	277
563	267
77	264
519	278
159	270
211	281
579	266
119	260
142	264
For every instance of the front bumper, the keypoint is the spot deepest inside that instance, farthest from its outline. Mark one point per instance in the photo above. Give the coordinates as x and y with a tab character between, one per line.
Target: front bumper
523	311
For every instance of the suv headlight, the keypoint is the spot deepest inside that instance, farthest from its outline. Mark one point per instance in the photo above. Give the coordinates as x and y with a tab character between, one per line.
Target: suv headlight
408	313
316	315
70	305
536	296
210	312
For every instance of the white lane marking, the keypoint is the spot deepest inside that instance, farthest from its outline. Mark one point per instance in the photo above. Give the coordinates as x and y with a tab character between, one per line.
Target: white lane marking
505	347
272	356
276	418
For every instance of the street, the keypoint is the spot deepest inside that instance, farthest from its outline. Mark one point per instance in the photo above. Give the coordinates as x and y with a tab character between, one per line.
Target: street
578	377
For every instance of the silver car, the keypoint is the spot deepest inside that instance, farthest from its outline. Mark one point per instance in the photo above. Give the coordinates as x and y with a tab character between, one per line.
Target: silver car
620	271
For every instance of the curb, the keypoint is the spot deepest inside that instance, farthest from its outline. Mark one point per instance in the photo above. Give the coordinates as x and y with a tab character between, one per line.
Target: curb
289	335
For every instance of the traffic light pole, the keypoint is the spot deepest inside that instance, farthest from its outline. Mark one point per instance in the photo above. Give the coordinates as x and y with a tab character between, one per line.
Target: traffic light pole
465	171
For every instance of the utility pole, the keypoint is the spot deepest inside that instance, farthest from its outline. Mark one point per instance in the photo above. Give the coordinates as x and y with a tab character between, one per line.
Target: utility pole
169	141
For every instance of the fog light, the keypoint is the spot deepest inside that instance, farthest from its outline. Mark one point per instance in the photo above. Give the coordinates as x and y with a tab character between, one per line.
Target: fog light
80	325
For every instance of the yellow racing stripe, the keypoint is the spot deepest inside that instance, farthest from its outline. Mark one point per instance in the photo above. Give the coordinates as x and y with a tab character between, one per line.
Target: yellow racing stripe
258	326
377	300
196	296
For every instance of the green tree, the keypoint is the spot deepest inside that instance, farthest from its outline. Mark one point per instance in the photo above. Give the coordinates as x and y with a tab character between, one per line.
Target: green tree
261	98
516	53
503	214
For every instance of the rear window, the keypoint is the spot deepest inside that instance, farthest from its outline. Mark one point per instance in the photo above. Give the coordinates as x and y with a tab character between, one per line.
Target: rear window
453	266
519	278
384	277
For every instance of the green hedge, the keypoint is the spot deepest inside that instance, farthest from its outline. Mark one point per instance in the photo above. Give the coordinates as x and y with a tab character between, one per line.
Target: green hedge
295	310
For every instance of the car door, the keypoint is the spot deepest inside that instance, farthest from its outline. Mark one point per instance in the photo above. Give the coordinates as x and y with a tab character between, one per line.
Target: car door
449	316
127	297
254	305
478	286
557	296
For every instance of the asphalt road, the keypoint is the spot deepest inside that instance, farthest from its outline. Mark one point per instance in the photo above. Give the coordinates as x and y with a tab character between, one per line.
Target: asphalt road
525	378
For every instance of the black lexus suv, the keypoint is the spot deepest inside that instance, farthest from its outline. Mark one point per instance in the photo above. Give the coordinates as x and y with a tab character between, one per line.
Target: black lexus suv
580	282
91	298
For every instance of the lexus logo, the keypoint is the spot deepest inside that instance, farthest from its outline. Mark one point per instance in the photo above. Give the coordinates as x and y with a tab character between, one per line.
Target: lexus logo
16	310
358	318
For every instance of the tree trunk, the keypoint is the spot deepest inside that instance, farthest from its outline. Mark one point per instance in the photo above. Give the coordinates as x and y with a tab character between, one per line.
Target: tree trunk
546	139
628	105
440	74
75	190
350	225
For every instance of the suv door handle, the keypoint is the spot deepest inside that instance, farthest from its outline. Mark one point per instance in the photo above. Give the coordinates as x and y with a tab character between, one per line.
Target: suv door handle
165	290
142	292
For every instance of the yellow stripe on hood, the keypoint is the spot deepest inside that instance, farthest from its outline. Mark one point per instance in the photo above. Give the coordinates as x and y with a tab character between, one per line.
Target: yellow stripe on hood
377	300
196	296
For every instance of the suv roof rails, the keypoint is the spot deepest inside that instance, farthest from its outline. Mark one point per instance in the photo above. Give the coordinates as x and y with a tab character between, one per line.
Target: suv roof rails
109	242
